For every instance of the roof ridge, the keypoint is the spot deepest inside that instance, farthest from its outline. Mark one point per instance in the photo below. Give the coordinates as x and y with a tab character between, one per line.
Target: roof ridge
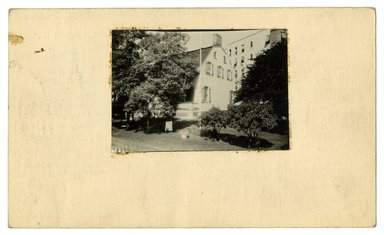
199	49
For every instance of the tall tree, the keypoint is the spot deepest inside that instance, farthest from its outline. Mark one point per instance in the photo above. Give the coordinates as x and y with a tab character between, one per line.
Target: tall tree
167	74
125	53
267	79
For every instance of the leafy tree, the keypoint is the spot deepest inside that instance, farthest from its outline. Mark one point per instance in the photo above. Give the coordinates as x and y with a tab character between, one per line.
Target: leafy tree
167	74
215	119
251	117
125	53
267	79
150	72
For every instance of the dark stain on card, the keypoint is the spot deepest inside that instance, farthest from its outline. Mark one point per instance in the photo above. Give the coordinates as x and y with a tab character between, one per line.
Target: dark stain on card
41	50
15	39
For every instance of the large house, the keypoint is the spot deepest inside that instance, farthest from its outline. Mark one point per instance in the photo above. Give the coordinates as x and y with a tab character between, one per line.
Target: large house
221	69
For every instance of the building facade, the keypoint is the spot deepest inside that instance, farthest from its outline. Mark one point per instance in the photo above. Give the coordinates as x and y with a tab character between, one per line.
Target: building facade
221	70
214	85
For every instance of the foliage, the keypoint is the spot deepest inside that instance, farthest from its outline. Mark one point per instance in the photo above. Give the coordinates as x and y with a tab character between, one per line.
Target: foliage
125	53
215	119
156	75
267	79
251	117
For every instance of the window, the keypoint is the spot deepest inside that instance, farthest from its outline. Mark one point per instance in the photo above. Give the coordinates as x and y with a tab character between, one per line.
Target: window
251	43
225	60
235	50
231	97
230	52
242	60
236	74
229	75
209	68
242	48
235	63
219	71
215	55
242	73
251	56
206	94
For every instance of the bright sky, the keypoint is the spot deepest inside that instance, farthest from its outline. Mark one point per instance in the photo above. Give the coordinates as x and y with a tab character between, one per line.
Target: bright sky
207	37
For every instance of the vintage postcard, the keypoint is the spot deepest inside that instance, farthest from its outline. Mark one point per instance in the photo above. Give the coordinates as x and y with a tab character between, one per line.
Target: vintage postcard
254	117
199	90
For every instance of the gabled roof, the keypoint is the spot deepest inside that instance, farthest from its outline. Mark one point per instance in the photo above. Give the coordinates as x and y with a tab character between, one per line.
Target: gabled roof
195	54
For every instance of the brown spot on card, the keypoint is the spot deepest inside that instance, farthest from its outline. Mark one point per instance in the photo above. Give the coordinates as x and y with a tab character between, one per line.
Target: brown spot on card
15	39
41	50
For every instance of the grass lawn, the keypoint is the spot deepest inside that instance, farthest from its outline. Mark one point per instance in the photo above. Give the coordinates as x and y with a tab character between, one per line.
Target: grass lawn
230	139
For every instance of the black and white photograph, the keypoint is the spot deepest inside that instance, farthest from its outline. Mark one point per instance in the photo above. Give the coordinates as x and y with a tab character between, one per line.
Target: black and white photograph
199	90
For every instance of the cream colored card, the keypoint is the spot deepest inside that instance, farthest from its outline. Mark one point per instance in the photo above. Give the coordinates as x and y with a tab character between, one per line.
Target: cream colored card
62	172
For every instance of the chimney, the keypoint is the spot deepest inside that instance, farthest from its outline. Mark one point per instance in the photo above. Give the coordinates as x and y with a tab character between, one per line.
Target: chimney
216	40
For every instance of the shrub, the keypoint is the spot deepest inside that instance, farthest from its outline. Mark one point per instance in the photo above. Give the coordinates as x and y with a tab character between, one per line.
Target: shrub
251	117
215	119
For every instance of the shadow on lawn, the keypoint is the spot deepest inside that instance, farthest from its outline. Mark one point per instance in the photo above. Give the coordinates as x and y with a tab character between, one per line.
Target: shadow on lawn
154	126
241	141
